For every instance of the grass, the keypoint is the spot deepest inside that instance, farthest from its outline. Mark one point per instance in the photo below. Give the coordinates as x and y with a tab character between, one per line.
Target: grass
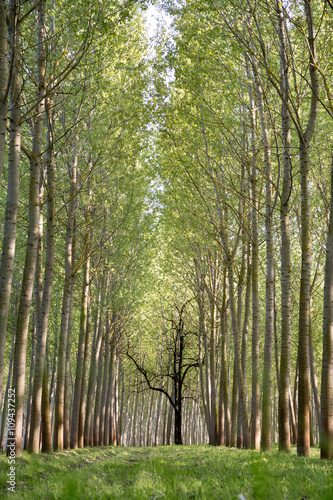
173	472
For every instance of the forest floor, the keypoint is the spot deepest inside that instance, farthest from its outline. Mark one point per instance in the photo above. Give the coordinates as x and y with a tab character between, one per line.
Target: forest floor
168	472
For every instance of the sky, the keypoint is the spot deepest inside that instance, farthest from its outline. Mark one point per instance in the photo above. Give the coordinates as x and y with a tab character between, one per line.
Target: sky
153	15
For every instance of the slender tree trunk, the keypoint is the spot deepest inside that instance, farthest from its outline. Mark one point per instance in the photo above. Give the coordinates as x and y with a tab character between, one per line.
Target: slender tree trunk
5	404
58	434
74	440
238	363
158	418
165	415
284	381
33	233
14	151
314	385
224	364
135	419
115	437
212	352
43	319
169	423
52	369
3	82
109	387
105	380
123	424
303	439
303	443
234	408
98	399
326	427
68	389
149	416
46	417
208	391
202	337
255	401
93	372
269	323
26	429
82	411
246	321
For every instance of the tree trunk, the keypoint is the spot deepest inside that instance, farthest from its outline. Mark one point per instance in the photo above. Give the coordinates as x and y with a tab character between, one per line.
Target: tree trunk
238	362
33	233
246	320
98	399
178	425
234	409
14	151
326	427
43	317
224	364
68	389
105	379
93	373
46	417
58	433
3	82
314	385
82	410
109	387
213	291
74	440
26	431
270	303
5	404
284	381
255	399
303	440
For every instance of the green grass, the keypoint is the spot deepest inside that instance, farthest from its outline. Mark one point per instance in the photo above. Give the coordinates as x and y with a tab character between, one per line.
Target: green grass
173	472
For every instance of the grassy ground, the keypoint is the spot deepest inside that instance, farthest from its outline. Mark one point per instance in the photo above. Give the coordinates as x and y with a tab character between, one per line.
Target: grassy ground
183	472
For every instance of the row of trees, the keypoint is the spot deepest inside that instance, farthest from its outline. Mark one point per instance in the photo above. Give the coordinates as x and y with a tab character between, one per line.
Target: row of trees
73	84
167	225
245	164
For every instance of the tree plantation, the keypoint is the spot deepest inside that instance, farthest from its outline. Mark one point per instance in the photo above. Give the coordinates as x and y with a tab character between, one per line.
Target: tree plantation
166	213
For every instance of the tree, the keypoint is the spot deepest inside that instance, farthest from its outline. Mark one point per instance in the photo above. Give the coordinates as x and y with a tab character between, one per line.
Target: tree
10	225
180	361
32	242
326	431
284	383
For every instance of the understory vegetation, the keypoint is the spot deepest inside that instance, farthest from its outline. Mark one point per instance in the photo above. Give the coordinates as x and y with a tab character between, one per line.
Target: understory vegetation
170	473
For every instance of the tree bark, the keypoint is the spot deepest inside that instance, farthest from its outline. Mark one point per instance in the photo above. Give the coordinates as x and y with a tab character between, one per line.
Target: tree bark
93	370
303	440
238	362
33	233
98	398
43	317
224	364
14	152
4	82
82	410
269	323
255	393
74	439
326	427
284	380
68	385
58	433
